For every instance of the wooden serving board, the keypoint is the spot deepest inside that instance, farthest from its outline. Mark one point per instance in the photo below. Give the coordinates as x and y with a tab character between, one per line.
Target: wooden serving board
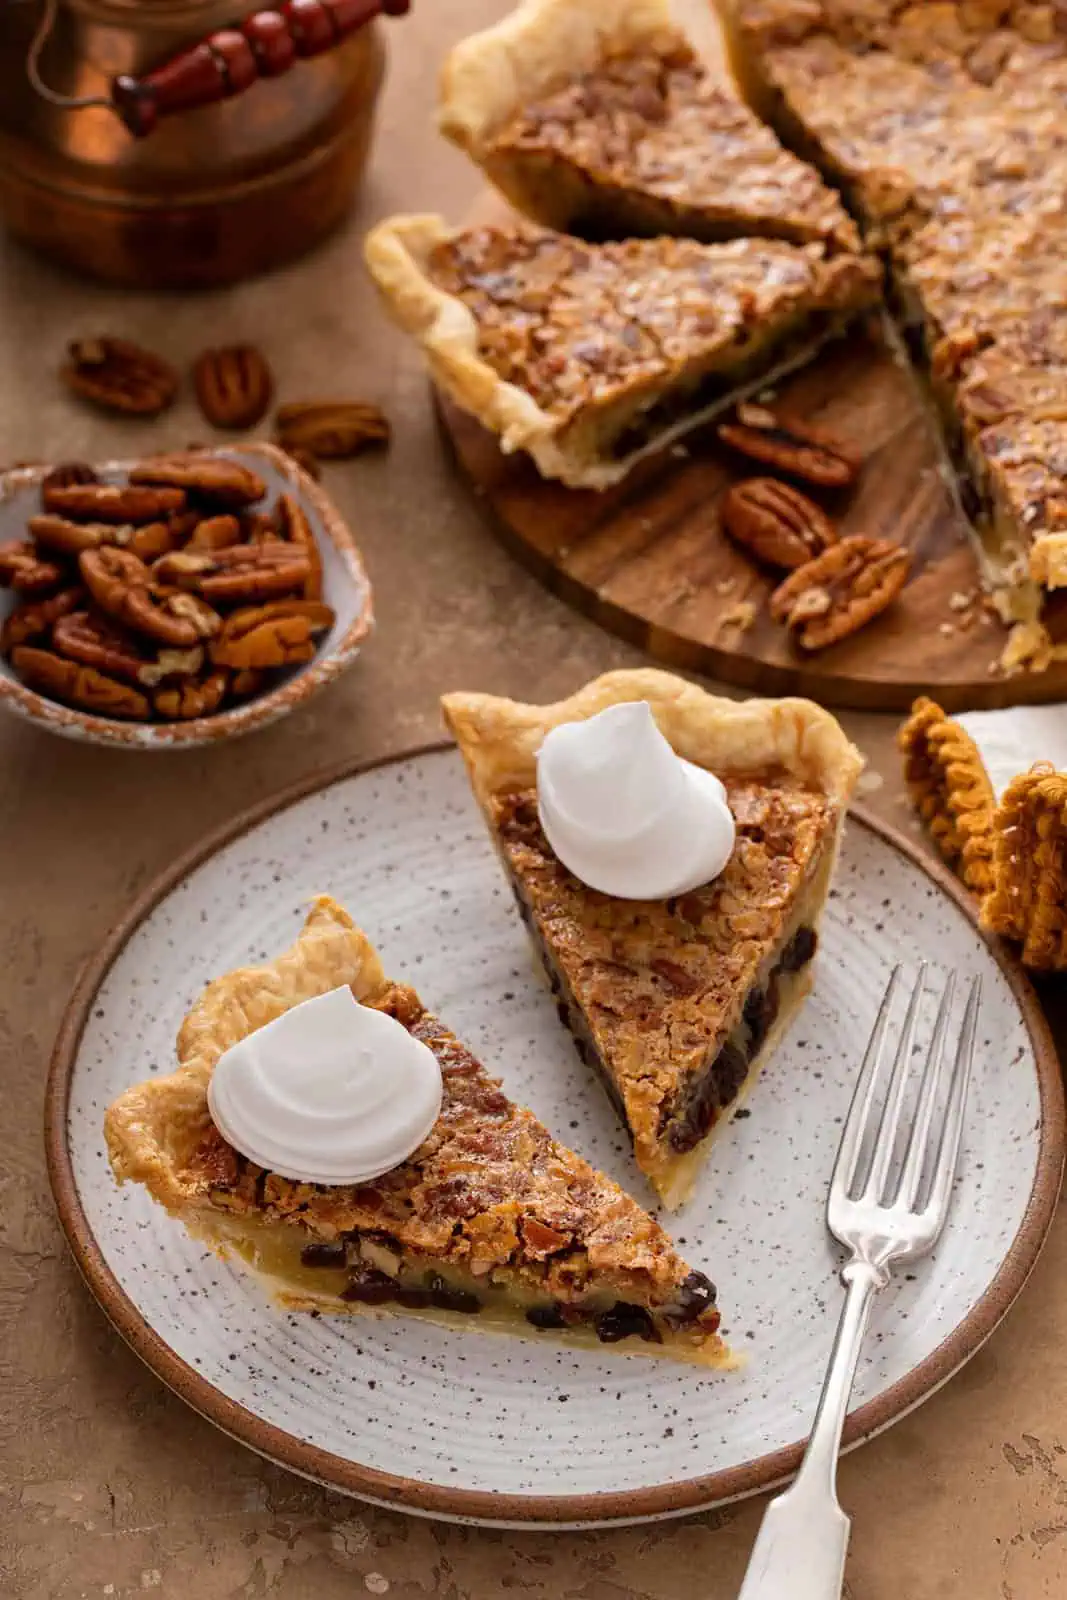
649	560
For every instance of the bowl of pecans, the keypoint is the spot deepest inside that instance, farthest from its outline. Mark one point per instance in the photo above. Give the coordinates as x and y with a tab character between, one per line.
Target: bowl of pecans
177	600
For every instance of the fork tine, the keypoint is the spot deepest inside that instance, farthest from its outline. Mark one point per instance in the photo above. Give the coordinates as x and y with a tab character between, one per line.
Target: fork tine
889	1122
933	1077
862	1095
948	1150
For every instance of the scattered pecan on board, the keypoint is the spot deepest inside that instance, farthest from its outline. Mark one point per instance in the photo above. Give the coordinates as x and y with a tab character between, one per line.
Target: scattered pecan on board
840	591
775	522
118	375
53	675
233	385
790	447
331	430
278	635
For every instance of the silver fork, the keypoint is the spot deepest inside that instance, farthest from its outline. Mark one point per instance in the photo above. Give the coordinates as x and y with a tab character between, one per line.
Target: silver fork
883	1211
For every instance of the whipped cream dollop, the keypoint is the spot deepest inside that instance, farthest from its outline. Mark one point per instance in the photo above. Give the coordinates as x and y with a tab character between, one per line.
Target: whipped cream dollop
329	1092
625	813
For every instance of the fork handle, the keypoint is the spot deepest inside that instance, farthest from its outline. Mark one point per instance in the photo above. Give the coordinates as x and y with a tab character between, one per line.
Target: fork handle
800	1549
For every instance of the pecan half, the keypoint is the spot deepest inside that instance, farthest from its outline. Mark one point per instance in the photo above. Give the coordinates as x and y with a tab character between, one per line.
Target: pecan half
841	590
259	527
215	533
95	641
121	585
23	569
169	664
198	698
156	539
233	385
331	429
278	635
67	473
34	618
790	447
776	522
61	679
110	502
294	526
209	477
65	538
243	573
118	375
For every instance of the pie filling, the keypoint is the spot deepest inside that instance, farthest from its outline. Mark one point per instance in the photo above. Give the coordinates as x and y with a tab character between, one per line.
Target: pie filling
695	399
368	1270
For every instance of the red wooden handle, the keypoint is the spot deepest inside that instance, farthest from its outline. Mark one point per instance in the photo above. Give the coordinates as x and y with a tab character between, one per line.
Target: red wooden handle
228	62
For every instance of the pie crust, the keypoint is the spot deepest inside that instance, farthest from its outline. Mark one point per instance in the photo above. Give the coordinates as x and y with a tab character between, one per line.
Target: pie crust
1028	900
489	1223
590	357
659	995
950	789
597	118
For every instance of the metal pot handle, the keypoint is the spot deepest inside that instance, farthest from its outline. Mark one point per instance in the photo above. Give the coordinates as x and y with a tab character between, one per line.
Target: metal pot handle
227	62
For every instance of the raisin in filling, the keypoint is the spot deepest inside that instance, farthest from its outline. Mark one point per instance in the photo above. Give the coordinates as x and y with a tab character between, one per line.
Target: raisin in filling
691	1116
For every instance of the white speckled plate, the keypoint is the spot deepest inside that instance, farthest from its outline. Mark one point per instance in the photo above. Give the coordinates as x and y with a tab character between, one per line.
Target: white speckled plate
483	1427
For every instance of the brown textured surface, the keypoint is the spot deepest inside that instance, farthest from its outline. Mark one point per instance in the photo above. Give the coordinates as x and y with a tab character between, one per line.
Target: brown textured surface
105	1478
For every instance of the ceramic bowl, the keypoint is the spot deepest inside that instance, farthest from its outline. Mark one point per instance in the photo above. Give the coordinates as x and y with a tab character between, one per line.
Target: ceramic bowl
346	588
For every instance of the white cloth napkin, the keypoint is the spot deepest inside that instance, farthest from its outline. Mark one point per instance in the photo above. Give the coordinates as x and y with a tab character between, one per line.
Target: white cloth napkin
1009	742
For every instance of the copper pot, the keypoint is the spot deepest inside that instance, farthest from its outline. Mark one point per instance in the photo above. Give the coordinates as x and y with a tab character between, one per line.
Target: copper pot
134	153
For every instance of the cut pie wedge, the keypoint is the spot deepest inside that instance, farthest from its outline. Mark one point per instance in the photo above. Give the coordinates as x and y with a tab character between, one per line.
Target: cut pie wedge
597	118
676	1003
490	1223
590	357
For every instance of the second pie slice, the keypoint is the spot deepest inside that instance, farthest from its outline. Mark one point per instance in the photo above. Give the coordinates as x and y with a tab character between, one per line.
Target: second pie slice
488	1223
677	1002
590	357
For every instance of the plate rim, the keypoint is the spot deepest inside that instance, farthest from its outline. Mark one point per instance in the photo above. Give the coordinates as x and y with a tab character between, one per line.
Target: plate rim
679	1497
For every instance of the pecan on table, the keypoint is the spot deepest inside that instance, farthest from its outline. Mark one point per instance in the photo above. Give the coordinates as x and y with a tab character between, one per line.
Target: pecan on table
67	473
197	698
233	385
331	430
34	618
118	375
208	477
239	575
215	533
277	635
60	679
841	590
790	447
295	527
775	522
122	587
110	502
25	570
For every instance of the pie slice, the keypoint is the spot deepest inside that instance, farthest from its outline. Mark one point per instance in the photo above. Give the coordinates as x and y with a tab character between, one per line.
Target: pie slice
675	1003
597	118
592	356
943	126
490	1223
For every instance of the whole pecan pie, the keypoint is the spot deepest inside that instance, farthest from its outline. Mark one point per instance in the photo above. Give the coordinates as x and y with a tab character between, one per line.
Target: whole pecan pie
676	1003
591	356
489	1223
597	117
